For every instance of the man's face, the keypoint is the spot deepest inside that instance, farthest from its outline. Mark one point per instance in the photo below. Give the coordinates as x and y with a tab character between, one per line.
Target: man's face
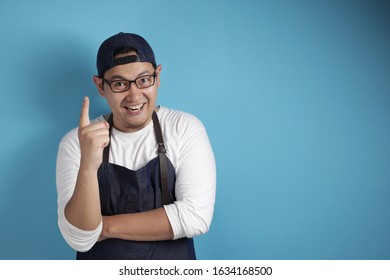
132	109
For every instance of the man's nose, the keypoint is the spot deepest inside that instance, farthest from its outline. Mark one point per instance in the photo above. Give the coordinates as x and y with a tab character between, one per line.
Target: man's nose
133	90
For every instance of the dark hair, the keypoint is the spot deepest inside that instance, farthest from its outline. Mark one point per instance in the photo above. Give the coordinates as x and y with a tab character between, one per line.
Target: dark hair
123	50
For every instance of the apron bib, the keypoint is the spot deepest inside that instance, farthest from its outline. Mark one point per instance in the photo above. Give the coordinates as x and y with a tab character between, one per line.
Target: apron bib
126	191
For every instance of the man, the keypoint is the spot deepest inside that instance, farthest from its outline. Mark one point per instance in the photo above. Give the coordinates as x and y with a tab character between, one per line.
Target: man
138	183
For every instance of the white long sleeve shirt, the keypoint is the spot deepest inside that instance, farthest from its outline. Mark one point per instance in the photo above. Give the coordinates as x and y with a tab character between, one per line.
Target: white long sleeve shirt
189	150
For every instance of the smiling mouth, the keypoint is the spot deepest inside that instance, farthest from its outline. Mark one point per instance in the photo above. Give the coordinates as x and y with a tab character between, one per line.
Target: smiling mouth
134	108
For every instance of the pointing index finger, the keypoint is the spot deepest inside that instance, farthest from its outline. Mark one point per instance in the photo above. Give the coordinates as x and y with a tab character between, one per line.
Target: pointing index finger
84	116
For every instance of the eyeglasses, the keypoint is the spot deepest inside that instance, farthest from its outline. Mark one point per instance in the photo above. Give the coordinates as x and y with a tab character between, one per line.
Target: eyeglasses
124	85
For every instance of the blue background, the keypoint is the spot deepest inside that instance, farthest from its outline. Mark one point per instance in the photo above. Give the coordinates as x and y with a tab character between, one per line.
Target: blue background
295	96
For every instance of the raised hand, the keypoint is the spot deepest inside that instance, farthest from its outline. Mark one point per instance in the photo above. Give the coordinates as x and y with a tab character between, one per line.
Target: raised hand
93	139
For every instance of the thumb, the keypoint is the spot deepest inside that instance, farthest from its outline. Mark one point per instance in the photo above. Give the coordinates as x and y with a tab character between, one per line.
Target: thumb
84	116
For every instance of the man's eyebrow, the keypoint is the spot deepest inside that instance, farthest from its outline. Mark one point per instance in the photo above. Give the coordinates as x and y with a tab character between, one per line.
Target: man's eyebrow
145	72
119	77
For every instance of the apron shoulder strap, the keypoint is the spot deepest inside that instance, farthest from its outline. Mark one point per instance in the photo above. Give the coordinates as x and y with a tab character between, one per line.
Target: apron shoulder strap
162	159
106	150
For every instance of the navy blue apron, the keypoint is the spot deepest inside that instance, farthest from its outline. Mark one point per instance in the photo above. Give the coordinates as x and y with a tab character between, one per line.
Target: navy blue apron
126	191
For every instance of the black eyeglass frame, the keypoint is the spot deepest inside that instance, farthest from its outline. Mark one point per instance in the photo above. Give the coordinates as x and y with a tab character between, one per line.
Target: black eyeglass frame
130	82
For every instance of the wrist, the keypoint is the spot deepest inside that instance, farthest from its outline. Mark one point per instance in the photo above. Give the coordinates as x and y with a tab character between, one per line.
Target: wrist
106	229
88	168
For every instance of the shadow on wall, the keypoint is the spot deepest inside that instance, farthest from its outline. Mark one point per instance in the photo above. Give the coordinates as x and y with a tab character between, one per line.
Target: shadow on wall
59	73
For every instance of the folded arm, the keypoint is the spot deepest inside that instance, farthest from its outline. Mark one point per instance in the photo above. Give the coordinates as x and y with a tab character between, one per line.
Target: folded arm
145	226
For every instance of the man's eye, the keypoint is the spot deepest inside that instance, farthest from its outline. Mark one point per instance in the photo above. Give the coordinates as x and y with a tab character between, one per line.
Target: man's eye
119	84
144	80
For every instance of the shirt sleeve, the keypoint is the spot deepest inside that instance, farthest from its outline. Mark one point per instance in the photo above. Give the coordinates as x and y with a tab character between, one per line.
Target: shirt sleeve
68	162
191	214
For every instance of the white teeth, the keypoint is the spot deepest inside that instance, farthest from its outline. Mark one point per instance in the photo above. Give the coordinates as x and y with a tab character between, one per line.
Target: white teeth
134	107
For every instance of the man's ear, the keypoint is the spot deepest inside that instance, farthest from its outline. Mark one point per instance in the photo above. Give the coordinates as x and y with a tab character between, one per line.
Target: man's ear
158	72
99	85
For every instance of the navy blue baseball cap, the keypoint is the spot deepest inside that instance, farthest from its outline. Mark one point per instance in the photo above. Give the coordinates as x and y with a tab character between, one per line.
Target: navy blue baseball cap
105	56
